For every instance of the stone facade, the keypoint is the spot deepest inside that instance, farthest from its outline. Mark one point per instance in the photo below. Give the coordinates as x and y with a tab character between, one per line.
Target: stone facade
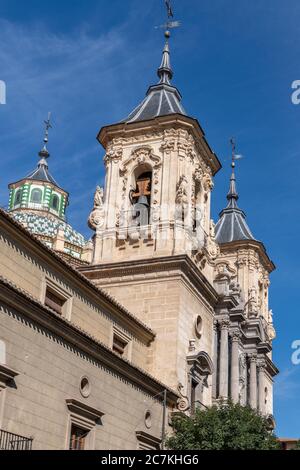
45	355
161	303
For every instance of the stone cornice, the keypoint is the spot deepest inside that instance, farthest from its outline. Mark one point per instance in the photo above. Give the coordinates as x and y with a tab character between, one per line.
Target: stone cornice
253	245
166	264
37	183
47	318
49	257
270	367
107	133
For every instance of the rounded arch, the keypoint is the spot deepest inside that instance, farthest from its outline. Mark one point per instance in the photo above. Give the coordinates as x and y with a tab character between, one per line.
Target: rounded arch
18	197
36	196
55	202
141	196
202	363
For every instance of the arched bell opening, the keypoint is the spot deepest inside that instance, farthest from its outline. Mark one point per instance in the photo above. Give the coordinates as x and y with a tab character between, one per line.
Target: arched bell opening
140	197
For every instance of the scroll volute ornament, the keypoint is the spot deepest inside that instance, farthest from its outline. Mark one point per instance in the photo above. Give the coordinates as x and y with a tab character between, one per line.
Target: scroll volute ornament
97	216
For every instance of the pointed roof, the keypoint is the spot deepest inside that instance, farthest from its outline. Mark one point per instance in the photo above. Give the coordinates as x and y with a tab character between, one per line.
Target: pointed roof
232	225
161	99
41	172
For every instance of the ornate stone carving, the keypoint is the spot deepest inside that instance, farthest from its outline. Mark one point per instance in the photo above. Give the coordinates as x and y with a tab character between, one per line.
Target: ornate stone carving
235	335
271	332
168	146
181	200
252	357
261	365
98	198
224	324
113	154
225	268
140	155
253	302
207	182
211	246
182	402
97	216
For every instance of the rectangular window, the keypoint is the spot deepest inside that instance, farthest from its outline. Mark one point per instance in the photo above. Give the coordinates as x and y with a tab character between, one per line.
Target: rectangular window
57	298
193	396
54	300
78	438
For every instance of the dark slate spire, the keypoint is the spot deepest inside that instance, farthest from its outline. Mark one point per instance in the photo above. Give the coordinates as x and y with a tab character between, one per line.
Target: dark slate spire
41	173
165	72
232	225
161	99
232	195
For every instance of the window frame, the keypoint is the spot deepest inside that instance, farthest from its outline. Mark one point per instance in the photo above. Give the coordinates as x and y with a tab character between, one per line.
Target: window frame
122	337
17	193
59	292
36	191
55	197
84	417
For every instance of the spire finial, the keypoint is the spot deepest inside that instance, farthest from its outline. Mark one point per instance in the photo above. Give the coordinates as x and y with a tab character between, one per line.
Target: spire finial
44	152
232	195
165	72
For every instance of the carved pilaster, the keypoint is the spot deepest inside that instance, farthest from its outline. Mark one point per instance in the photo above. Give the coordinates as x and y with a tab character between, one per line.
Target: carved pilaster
253	380
235	379
224	325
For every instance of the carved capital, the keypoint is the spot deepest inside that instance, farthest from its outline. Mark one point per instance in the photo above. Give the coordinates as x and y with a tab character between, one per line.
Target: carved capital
224	324
168	145
252	357
114	154
261	365
235	336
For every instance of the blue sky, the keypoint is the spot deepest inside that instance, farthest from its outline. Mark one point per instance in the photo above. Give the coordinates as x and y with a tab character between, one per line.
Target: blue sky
90	62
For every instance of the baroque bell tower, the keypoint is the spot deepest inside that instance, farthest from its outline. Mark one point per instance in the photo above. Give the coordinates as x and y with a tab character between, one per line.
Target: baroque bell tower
202	288
159	170
154	242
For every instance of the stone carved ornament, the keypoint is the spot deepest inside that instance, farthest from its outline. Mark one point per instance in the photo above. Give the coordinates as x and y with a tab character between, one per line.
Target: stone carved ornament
211	245
181	200
182	402
140	155
253	302
271	332
97	216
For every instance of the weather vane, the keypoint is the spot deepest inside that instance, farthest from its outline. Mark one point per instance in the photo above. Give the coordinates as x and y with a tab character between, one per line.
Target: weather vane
169	23
234	156
48	126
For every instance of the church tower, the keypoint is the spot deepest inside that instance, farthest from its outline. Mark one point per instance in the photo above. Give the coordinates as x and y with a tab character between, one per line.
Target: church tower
159	177
243	326
39	204
202	288
154	243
